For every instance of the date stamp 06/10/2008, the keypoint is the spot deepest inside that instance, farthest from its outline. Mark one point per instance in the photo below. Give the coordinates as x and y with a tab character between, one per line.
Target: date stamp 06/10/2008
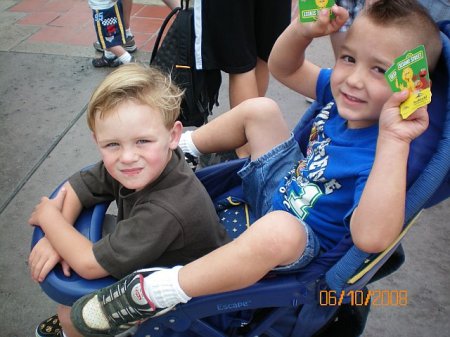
391	297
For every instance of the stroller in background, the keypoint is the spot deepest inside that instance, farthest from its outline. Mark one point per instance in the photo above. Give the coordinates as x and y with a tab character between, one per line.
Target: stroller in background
305	303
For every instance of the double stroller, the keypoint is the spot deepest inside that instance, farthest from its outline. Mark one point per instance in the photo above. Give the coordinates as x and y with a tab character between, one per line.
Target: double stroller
304	303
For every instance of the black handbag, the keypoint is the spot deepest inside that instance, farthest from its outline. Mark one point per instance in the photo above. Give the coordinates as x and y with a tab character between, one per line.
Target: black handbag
176	57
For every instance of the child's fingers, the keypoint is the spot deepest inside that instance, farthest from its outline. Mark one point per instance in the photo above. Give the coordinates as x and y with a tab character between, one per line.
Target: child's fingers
66	268
341	15
328	25
396	99
420	118
60	196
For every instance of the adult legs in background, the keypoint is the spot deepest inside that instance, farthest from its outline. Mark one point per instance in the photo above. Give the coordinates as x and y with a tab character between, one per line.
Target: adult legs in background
251	28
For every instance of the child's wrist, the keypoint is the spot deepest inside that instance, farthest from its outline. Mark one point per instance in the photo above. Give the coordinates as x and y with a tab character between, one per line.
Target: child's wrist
391	140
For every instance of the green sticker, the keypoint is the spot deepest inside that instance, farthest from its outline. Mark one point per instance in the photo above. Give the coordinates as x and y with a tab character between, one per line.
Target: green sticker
410	71
309	9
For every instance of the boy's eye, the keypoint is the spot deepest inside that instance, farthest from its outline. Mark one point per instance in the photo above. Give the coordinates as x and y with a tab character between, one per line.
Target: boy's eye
348	59
143	141
112	144
380	70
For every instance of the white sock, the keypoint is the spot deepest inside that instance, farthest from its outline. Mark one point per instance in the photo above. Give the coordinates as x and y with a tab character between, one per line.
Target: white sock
128	32
187	145
163	288
125	58
108	54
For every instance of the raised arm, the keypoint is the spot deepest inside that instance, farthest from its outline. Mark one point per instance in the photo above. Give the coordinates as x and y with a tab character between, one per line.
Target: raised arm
287	61
379	217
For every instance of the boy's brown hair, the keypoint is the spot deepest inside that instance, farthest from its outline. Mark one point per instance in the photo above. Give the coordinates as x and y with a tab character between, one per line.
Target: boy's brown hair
411	17
145	85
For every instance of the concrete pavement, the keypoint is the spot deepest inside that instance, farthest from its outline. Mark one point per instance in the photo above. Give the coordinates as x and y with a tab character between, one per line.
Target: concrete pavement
44	88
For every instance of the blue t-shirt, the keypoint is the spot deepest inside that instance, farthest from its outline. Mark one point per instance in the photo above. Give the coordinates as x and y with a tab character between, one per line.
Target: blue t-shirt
324	188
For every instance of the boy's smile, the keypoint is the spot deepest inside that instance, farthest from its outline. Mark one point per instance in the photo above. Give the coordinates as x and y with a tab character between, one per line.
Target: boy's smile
358	82
134	143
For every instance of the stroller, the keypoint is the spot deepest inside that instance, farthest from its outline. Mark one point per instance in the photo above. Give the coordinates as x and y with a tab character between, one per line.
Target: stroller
304	303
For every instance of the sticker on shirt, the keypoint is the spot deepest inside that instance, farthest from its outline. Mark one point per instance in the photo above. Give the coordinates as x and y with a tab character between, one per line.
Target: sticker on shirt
410	72
309	10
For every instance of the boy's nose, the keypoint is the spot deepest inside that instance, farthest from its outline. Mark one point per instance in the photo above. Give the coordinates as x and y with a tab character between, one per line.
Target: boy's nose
356	79
128	156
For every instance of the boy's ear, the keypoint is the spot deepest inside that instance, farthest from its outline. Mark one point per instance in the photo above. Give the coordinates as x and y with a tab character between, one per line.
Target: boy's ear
175	134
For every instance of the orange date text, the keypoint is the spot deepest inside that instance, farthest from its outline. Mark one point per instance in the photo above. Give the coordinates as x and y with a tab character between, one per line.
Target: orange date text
376	297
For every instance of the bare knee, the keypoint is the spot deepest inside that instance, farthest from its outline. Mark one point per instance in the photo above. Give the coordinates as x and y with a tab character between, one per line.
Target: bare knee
283	237
261	109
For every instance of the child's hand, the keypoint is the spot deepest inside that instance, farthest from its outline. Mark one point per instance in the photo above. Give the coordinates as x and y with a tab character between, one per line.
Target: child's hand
392	125
324	24
48	209
43	258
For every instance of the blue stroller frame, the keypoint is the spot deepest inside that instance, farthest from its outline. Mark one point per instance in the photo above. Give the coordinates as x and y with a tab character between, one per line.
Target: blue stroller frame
290	304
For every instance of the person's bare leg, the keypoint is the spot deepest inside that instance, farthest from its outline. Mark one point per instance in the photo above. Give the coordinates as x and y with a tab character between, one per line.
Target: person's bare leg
258	122
242	87
172	3
262	76
66	324
251	84
127	5
117	50
275	239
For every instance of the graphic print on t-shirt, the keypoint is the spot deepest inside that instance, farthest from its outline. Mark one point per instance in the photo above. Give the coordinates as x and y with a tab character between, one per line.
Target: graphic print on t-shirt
306	183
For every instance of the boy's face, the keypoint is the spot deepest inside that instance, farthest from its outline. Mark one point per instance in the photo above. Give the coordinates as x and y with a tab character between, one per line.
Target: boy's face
358	82
134	144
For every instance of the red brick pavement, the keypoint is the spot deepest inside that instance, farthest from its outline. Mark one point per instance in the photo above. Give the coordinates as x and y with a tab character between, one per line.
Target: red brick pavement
69	22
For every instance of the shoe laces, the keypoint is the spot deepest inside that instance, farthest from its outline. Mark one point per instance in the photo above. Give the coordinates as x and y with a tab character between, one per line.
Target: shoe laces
118	306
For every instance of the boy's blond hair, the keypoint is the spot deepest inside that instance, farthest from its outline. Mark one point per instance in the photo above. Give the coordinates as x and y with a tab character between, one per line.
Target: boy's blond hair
411	17
145	85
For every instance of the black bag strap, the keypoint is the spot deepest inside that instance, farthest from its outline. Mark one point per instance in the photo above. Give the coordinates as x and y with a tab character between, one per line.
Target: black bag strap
184	5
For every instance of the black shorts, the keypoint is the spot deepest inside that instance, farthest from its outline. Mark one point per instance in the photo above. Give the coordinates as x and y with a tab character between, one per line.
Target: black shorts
232	34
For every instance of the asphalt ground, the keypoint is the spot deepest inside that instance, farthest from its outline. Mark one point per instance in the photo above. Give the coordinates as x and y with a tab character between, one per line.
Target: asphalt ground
44	89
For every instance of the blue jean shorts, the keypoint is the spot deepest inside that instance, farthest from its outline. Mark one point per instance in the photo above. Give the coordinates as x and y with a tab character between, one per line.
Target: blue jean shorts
260	179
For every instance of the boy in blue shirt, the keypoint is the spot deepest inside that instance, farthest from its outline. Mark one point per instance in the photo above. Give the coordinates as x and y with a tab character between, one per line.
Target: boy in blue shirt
352	178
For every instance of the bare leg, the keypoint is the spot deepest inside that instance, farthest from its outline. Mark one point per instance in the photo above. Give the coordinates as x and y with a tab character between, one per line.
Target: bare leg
251	84
262	77
66	323
172	3
258	122
275	239
127	5
242	86
248	85
117	50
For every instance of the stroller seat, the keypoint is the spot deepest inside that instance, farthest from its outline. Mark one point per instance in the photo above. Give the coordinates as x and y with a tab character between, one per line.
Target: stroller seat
288	304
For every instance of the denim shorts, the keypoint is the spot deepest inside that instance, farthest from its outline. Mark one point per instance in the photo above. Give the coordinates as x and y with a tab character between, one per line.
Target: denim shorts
260	179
